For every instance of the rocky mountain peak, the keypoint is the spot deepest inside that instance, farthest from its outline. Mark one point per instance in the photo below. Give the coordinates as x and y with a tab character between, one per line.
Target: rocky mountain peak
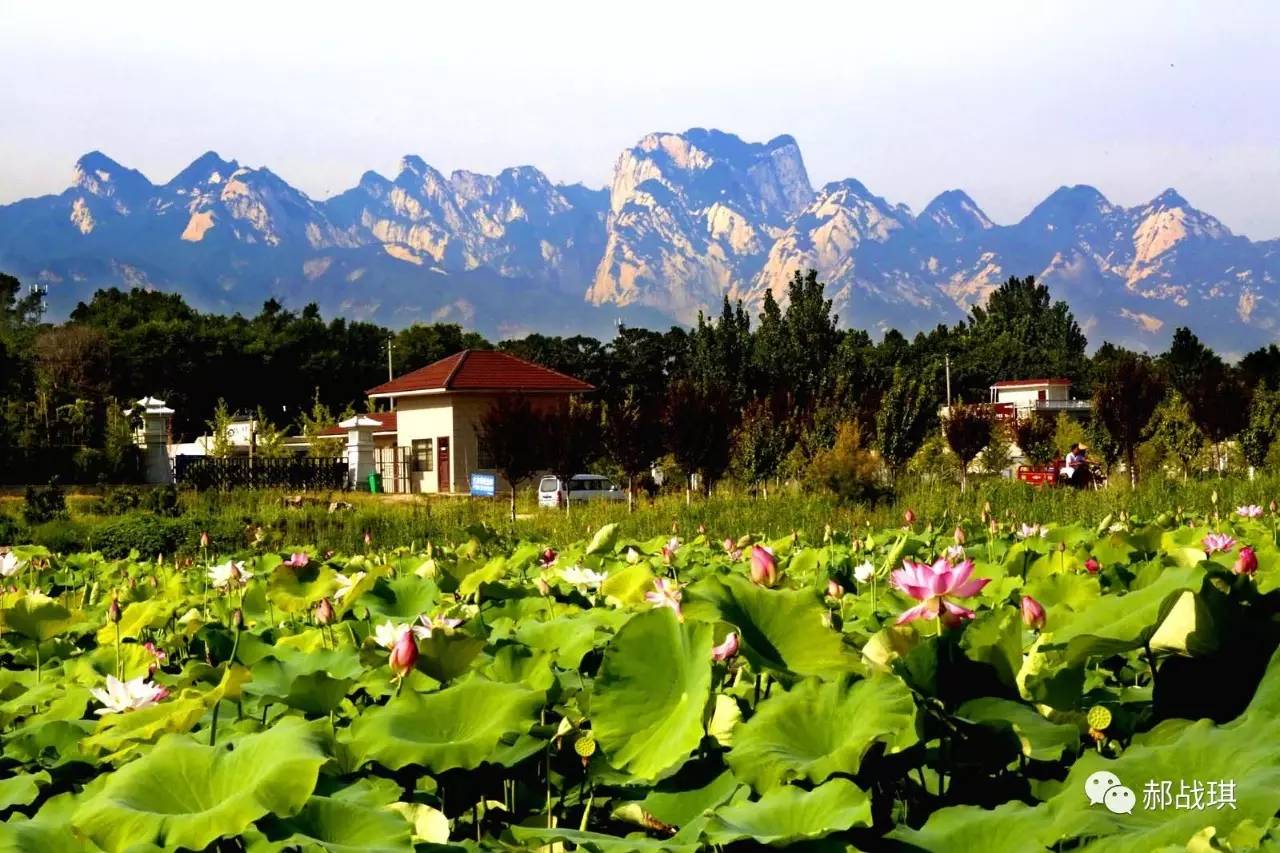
952	216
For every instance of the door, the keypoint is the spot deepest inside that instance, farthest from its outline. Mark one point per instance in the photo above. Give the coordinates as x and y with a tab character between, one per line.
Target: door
442	464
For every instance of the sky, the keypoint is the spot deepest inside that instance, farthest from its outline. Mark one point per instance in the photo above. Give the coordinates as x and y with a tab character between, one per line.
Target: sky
1006	100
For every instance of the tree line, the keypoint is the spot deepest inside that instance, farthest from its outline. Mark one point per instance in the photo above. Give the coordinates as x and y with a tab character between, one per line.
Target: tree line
782	395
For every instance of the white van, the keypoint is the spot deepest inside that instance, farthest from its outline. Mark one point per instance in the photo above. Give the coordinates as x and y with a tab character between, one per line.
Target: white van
582	487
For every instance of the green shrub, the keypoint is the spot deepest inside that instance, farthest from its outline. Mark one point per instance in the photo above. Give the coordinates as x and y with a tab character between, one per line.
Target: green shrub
145	533
163	501
117	500
43	504
850	471
61	535
11	530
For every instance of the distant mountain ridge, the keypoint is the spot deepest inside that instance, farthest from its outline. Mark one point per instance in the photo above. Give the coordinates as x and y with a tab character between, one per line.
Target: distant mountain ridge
688	218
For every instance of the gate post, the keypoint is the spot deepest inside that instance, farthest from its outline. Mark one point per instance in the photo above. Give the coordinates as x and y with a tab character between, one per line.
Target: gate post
360	462
153	437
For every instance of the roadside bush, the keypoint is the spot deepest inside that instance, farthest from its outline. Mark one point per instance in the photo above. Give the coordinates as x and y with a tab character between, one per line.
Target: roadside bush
849	470
163	501
117	500
11	530
44	503
145	533
61	535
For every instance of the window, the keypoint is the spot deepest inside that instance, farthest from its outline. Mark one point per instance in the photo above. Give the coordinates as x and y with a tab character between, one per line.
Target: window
424	458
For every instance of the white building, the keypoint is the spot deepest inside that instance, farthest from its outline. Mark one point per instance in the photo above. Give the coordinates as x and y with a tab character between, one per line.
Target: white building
1025	397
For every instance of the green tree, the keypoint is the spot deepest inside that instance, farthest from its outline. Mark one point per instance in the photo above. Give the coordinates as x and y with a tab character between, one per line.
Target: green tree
847	469
760	443
698	425
720	352
1174	433
571	436
633	440
514	437
220	430
315	424
269	439
1019	333
903	421
1127	391
967	429
1259	434
1034	436
1215	392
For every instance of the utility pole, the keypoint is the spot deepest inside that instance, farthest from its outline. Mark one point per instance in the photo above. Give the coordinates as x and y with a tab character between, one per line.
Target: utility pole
390	375
948	360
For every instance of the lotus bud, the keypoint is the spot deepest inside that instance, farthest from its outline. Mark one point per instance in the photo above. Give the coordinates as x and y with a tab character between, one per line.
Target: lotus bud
1092	566
834	589
324	612
795	537
1032	613
702	530
727	649
826	533
909	517
237	619
958	535
1213	498
1246	563
764	566
1272	505
675	527
204	539
154	583
548	556
1062	546
368	540
542	586
113	610
404	654
993	527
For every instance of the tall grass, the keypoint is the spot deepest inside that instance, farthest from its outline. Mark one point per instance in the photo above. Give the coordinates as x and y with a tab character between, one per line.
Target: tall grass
394	521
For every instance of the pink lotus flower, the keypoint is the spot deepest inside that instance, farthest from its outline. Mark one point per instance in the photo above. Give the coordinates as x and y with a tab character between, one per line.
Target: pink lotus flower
834	589
666	594
297	560
324	612
1215	542
120	696
368	540
1031	531
1249	511
764	566
934	586
1246	563
1032	613
1092	566
548	557
958	535
731	548
669	550
955	554
404	654
204	539
727	649
909	517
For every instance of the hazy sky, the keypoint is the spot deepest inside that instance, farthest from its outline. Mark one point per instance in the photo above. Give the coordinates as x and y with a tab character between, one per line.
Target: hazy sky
1005	100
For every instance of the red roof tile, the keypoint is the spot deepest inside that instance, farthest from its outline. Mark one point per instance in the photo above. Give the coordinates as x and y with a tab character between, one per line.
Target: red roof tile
387	419
482	370
1013	383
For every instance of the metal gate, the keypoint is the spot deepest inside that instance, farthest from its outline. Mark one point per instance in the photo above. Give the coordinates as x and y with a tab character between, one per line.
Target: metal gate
393	464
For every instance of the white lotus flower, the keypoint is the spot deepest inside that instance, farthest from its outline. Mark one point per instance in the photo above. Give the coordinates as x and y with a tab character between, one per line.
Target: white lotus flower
579	576
1031	531
633	556
120	696
10	564
346	584
388	633
864	572
230	573
428	624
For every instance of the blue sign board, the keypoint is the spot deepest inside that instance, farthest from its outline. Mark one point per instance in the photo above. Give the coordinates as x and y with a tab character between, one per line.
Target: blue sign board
483	485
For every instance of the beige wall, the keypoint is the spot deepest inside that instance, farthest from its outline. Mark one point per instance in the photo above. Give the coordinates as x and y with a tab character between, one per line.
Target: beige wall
458	417
1024	396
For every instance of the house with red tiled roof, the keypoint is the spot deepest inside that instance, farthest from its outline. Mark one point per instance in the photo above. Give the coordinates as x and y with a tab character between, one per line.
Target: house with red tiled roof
435	414
1024	397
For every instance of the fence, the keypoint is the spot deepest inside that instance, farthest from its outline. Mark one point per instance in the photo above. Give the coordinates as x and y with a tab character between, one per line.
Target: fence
301	473
393	463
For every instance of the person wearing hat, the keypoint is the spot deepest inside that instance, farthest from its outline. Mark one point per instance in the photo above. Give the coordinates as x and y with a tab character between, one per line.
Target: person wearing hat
1076	460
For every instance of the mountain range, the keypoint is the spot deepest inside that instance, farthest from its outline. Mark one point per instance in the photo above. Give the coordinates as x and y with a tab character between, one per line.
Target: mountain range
689	218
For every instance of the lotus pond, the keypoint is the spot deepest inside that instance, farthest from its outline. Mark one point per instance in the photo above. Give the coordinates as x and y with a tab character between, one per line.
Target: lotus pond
987	687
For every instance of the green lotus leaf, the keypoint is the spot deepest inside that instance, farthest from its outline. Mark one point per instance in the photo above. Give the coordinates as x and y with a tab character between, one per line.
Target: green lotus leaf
491	572
426	825
544	838
296	591
818	728
184	794
648	699
46	831
310	692
338	826
516	663
460	726
788	814
446	655
36	616
604	540
678	806
1119	623
628	585
781	630
1244	751
570	637
21	789
1040	738
407	598
137	617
